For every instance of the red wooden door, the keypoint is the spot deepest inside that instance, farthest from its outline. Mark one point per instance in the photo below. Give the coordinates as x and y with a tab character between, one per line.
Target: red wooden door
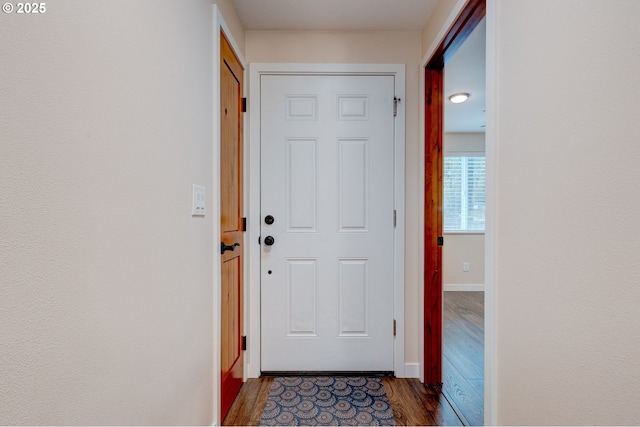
231	358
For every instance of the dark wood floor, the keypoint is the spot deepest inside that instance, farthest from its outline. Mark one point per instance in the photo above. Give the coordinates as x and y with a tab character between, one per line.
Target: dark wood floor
463	354
249	404
413	403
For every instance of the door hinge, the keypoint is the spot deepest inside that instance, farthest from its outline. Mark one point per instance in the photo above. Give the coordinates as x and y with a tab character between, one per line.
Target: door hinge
395	106
244	105
440	241
244	343
395	218
394	327
243	224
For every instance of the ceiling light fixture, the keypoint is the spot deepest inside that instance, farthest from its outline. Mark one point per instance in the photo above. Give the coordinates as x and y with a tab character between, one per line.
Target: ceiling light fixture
458	98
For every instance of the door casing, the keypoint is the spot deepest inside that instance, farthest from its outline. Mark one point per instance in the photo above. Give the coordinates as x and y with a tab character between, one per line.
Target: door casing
253	167
465	22
220	25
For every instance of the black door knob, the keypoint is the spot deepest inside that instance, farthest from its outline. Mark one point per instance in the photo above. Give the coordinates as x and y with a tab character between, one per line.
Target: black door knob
269	219
269	240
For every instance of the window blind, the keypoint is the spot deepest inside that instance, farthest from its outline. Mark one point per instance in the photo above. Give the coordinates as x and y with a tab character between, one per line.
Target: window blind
464	193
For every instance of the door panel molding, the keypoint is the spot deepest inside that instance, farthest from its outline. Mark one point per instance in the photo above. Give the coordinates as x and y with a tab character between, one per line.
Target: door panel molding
256	71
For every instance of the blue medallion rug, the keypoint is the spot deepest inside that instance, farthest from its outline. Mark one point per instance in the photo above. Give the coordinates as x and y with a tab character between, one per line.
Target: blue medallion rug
327	401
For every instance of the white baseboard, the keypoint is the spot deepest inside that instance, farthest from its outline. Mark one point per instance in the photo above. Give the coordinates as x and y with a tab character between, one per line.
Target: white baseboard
412	370
465	287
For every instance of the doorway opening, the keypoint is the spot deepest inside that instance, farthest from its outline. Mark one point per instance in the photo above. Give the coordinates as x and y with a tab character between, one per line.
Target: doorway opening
464	226
303	104
435	234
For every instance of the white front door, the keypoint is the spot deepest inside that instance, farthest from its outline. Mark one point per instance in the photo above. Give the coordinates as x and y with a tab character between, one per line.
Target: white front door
327	223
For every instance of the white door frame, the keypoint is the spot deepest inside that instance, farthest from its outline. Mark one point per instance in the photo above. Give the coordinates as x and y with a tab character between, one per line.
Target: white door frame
253	222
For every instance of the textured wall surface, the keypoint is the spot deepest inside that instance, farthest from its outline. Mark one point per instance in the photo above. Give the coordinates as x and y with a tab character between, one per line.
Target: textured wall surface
458	249
105	277
566	204
435	26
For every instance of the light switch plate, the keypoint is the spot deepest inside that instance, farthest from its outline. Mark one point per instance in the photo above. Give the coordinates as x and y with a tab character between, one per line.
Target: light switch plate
199	200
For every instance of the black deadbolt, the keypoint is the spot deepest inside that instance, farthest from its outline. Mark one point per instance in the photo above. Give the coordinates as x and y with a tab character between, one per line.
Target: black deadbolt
269	219
269	240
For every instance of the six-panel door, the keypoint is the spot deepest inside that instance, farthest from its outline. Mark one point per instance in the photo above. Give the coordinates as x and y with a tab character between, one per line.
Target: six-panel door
327	179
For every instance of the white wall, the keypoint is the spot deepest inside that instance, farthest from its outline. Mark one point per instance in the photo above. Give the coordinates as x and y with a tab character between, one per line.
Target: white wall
434	30
461	144
106	279
562	279
565	155
463	247
386	47
460	248
231	18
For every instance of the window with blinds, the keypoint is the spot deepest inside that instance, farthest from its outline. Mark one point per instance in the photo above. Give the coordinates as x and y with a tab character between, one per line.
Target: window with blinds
464	187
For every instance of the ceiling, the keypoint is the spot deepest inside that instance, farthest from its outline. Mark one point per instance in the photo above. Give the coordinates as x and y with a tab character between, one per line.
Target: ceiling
334	15
463	73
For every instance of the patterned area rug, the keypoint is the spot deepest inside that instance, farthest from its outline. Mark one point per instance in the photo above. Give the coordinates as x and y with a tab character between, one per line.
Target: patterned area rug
327	401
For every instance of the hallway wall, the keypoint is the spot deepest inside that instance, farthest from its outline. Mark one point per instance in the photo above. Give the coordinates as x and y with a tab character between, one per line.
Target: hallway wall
106	279
562	283
565	203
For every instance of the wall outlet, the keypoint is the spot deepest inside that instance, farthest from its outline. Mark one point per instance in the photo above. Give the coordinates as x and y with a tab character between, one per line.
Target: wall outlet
465	266
198	200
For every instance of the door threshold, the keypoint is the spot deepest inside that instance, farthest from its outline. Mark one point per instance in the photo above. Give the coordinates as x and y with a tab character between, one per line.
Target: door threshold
327	374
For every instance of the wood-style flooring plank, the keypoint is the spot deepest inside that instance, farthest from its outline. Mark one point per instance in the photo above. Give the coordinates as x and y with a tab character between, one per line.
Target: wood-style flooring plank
412	402
478	386
406	403
435	402
249	404
463	354
464	397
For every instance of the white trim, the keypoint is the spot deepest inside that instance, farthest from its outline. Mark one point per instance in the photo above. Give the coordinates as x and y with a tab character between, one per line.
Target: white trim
412	370
234	45
215	210
255	71
443	32
467	287
420	231
219	24
490	305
